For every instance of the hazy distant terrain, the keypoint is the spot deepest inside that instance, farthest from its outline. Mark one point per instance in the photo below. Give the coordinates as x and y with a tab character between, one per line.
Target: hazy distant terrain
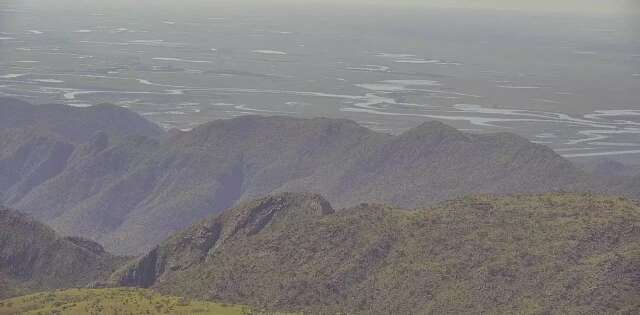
129	191
567	81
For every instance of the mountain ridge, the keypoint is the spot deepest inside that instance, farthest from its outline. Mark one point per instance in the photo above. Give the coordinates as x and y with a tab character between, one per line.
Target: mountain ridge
129	192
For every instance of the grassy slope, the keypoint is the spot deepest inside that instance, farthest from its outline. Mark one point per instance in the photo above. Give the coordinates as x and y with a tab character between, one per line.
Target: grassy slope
113	301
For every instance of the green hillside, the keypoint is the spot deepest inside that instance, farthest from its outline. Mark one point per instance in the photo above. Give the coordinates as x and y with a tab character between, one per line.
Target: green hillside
114	301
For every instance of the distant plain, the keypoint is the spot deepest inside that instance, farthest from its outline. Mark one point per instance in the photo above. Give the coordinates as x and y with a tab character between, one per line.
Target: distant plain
568	82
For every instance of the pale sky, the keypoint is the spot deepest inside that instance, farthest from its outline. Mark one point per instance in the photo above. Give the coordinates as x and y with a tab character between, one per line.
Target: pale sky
591	7
570	7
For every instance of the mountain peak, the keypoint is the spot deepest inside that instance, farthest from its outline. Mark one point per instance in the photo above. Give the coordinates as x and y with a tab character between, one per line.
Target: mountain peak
301	203
435	125
434	130
254	216
270	128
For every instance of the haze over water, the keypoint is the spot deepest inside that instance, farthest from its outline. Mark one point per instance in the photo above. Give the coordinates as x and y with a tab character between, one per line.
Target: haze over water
570	81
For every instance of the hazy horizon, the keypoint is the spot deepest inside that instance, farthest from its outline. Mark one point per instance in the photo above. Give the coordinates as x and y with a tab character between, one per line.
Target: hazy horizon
563	74
588	7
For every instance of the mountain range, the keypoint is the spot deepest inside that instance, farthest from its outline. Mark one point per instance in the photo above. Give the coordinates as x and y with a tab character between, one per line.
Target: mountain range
107	174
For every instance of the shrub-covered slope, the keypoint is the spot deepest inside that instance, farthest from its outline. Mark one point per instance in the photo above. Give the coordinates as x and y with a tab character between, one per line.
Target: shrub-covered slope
524	254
